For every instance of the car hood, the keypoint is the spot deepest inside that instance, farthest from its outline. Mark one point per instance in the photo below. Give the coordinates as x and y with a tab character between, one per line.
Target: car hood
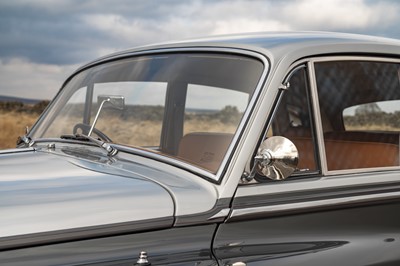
42	192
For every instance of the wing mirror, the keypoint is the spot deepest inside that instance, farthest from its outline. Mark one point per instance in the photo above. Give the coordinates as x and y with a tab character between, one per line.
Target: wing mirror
277	158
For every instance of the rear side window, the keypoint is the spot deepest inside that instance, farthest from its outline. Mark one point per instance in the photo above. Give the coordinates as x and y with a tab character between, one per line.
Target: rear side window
375	116
360	112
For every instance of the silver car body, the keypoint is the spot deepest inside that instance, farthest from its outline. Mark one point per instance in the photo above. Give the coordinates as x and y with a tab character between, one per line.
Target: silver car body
57	188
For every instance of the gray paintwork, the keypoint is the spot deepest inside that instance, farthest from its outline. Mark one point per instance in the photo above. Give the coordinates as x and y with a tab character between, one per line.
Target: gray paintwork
77	186
48	193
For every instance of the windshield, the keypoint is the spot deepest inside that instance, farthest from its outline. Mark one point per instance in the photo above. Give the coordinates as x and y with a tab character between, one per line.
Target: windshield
186	106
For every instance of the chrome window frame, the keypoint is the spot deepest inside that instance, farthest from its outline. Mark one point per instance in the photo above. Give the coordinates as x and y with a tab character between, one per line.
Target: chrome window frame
317	112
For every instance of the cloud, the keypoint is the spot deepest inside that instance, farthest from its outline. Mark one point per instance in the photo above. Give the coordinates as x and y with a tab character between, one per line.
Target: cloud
31	80
48	37
65	32
340	14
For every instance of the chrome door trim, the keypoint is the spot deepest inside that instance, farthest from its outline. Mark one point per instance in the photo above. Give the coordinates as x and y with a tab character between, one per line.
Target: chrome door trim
316	184
316	204
304	195
317	118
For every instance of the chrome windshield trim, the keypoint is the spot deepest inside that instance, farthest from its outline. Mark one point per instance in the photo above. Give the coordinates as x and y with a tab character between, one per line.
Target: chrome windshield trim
16	150
165	159
239	51
215	49
265	210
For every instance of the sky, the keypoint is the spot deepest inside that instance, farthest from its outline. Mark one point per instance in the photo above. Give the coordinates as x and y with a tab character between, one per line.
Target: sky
43	41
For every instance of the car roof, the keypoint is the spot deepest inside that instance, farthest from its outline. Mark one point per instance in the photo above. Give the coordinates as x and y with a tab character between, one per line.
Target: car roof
278	46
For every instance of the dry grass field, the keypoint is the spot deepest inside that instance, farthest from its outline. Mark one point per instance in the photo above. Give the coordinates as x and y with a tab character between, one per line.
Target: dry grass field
12	125
128	131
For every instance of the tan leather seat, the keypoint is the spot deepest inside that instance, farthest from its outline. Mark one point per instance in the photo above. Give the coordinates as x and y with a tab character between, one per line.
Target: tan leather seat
357	154
345	154
204	149
305	148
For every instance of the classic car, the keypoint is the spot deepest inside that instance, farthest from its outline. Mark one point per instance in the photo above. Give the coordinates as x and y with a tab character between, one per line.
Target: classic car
255	149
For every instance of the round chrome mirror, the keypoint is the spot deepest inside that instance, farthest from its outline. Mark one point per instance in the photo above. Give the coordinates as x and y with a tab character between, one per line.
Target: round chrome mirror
277	158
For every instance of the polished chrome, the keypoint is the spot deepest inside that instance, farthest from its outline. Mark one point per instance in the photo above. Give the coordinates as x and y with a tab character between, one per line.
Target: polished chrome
143	261
317	117
239	263
116	101
17	150
51	146
26	140
220	214
111	151
284	86
277	158
265	210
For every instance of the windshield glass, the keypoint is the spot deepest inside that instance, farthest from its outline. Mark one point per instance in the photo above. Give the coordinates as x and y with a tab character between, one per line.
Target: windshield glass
186	106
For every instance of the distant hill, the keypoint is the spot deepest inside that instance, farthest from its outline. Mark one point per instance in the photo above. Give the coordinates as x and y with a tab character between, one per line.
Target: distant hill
17	99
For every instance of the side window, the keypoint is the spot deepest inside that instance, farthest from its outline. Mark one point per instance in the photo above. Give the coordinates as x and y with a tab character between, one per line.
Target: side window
360	112
293	120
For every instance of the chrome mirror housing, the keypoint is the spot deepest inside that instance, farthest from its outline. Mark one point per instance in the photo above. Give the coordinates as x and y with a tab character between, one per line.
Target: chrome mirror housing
277	158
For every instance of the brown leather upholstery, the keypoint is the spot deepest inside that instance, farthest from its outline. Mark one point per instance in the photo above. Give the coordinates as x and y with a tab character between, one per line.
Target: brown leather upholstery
305	147
357	154
204	149
346	154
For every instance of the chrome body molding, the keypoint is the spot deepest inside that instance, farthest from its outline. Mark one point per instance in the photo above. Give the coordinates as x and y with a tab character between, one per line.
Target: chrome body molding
312	205
221	214
83	233
318	183
216	214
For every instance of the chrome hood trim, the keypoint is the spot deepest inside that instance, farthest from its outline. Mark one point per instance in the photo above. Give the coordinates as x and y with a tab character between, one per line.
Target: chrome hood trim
48	192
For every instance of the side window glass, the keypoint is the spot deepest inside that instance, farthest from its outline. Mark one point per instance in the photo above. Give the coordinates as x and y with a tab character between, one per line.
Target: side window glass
293	120
359	104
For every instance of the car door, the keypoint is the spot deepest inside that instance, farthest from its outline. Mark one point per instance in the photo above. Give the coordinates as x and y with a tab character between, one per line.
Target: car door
342	204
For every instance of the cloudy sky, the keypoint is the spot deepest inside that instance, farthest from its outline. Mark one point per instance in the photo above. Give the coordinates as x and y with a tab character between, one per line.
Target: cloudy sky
43	41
